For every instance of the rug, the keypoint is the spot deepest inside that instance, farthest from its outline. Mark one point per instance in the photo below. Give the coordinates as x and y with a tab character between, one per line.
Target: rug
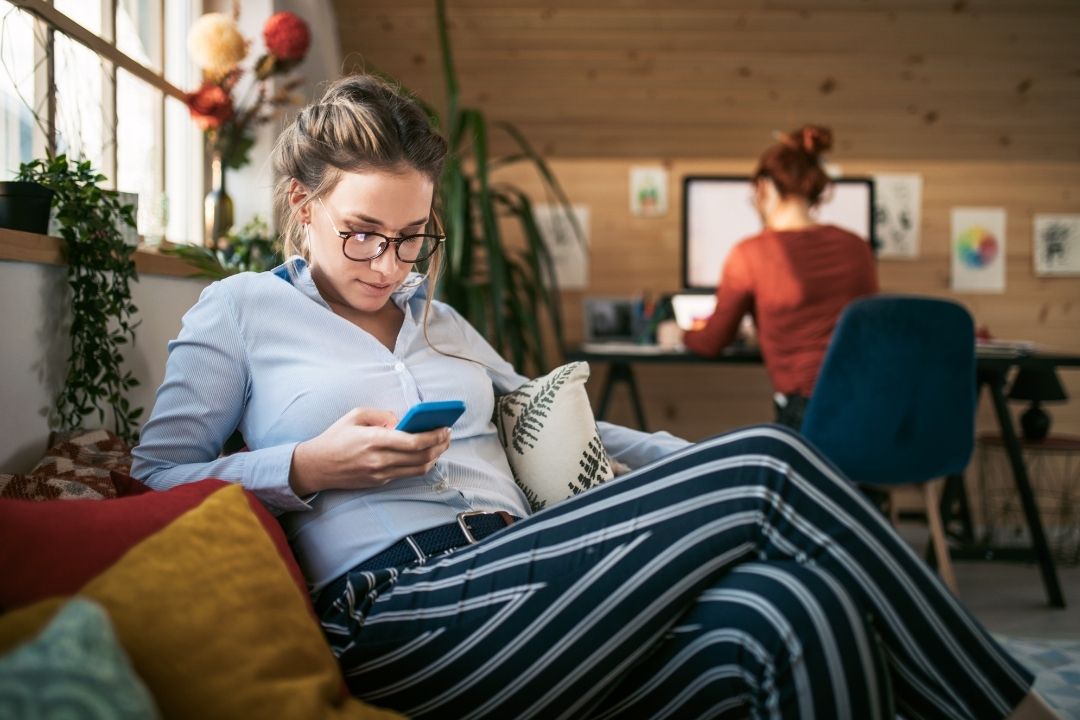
1056	664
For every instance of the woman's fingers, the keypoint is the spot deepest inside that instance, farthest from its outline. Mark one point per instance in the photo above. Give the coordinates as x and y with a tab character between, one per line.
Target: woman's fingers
420	453
403	442
440	437
370	417
362	449
391	454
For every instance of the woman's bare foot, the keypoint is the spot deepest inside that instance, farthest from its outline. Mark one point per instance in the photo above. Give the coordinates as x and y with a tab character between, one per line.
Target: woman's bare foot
1033	707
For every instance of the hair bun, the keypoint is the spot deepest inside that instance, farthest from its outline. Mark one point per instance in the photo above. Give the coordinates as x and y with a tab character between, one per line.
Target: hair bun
813	139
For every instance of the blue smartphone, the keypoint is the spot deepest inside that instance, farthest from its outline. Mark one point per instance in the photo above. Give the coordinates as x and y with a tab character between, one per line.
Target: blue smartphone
430	415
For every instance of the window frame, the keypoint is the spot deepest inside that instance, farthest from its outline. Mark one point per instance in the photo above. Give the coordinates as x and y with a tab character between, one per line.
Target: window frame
49	21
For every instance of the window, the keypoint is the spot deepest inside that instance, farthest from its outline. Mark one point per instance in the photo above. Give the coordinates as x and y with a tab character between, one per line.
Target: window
20	56
110	91
82	122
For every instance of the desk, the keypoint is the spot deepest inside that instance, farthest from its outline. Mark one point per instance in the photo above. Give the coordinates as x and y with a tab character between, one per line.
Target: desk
622	370
992	372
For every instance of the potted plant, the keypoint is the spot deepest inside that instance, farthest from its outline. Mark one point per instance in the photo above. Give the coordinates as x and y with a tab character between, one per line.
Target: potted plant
508	293
251	248
100	269
25	206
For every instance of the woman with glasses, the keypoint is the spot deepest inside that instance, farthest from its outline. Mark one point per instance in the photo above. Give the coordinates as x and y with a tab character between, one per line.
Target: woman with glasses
794	277
733	577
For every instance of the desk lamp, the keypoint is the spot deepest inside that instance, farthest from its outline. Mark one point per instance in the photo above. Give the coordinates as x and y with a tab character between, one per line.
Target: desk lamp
1037	385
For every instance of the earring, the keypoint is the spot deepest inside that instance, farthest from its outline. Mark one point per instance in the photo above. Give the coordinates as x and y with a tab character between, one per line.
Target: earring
421	278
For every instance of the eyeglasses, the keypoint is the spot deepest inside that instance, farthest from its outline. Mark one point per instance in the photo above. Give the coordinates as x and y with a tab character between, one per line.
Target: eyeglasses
364	246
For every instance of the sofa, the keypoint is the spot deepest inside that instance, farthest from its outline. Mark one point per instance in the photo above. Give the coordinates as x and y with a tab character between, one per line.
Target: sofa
123	602
189	601
189	604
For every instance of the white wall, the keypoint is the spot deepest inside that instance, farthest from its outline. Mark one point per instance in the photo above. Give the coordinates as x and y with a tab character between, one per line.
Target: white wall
33	356
251	186
323	61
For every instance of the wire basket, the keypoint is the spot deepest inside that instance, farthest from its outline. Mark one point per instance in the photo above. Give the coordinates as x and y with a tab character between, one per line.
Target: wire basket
1053	467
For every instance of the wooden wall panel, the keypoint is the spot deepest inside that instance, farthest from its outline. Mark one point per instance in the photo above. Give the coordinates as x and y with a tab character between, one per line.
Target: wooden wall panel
982	97
690	78
630	255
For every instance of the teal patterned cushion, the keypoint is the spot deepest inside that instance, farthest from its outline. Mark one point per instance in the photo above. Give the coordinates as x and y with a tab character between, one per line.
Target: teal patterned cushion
74	669
549	433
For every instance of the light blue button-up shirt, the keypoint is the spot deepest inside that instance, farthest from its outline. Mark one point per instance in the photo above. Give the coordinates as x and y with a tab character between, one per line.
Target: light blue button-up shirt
265	354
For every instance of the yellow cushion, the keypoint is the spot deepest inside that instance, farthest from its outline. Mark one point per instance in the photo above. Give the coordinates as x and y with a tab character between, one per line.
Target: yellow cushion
212	622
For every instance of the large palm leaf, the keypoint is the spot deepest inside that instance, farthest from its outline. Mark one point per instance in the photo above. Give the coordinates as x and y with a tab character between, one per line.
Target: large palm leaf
507	290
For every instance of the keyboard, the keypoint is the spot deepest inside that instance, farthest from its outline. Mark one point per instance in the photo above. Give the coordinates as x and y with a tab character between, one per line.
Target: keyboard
625	348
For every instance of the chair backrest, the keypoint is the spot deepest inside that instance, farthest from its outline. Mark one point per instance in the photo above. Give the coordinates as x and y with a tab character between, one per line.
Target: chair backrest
894	402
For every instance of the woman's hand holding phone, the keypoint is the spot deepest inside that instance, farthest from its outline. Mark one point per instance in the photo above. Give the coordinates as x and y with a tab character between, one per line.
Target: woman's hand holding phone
363	449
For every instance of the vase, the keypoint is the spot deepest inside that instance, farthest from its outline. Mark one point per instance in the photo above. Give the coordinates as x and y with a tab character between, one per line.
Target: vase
217	206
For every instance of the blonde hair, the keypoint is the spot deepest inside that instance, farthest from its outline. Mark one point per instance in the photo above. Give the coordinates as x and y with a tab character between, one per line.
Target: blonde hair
361	123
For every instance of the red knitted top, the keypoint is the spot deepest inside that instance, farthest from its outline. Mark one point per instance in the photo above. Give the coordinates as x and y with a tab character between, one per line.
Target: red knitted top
794	283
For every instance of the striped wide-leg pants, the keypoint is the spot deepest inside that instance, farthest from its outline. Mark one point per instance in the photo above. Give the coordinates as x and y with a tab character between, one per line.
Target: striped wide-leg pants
743	576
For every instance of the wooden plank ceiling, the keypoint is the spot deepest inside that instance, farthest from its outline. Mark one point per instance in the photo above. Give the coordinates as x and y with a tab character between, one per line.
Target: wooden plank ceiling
943	79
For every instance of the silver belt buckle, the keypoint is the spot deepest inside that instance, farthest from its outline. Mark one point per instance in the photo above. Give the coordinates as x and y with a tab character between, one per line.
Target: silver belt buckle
464	527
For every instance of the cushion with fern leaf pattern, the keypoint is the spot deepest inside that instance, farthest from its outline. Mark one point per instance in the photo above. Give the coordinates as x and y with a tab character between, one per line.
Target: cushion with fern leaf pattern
549	433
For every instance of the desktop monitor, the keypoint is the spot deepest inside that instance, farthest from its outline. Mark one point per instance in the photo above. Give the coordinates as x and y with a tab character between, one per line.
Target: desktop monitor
718	212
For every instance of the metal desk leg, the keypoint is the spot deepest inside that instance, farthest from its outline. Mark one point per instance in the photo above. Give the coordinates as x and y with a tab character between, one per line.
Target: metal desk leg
605	394
635	397
1023	487
621	373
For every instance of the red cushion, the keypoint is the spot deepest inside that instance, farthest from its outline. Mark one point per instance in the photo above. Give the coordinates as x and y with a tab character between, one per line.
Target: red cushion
54	548
126	485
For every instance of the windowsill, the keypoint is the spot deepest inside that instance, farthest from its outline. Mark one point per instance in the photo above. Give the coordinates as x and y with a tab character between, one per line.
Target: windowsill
45	249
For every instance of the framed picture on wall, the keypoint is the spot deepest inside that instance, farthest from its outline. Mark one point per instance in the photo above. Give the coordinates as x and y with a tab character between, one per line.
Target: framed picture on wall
1056	248
978	250
648	191
898	214
569	255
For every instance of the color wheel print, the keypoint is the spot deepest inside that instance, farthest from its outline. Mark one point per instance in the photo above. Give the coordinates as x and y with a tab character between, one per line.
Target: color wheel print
977	247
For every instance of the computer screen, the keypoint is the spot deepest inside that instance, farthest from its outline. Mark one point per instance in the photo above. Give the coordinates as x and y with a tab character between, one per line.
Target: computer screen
610	319
718	212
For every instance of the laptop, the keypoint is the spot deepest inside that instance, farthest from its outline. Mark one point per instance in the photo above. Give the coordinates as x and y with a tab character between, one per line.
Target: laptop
692	309
613	324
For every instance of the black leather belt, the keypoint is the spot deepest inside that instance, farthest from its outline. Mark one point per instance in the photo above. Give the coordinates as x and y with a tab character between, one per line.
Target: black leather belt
470	527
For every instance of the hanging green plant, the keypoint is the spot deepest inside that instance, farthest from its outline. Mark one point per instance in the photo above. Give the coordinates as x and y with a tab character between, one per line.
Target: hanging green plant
100	270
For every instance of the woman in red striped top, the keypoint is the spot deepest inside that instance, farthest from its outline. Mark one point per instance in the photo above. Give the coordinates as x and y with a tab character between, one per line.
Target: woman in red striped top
794	277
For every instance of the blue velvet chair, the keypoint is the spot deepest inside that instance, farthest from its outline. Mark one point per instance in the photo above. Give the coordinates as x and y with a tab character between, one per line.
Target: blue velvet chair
894	403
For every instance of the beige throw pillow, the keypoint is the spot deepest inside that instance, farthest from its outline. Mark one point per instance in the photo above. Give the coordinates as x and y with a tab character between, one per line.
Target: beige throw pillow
549	433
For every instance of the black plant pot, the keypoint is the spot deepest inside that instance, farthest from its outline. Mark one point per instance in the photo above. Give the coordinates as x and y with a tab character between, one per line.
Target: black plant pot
25	206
